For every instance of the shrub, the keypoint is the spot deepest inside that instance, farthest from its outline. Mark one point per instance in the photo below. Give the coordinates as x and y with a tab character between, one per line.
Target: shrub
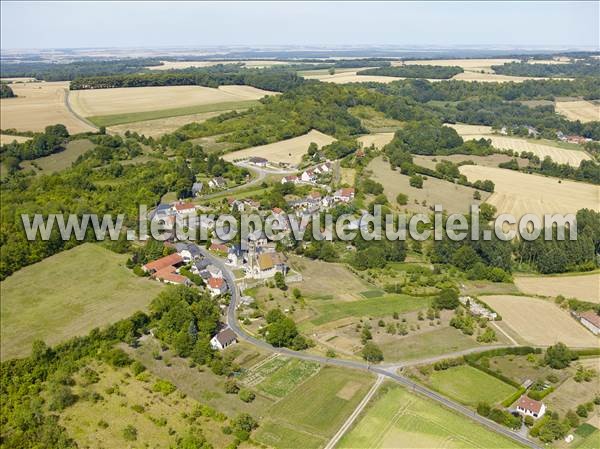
247	395
231	387
163	386
130	433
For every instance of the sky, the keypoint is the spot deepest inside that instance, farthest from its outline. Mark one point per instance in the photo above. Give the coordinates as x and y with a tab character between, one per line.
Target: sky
162	24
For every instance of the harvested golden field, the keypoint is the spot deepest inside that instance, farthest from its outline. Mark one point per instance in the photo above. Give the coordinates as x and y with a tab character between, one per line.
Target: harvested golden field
490	161
377	139
466	131
6	139
585	287
288	151
466	64
584	111
520	193
559	155
351	77
540	321
492	77
38	105
453	197
99	102
158	127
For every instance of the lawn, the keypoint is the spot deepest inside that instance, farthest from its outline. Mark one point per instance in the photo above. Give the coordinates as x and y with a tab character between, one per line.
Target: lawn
69	294
590	437
398	419
470	386
287	377
132	117
318	408
371	307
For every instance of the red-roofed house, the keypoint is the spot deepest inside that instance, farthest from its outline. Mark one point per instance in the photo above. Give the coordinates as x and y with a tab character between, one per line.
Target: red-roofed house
219	248
531	407
170	276
172	260
345	194
216	286
182	208
308	176
292	178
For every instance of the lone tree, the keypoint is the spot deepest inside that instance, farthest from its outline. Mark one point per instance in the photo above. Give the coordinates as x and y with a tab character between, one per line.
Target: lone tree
371	353
280	281
559	356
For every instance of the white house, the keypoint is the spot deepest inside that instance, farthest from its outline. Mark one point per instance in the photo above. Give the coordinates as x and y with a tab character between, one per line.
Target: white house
291	178
188	252
308	176
182	208
217	183
345	194
591	320
530	407
224	338
258	161
214	271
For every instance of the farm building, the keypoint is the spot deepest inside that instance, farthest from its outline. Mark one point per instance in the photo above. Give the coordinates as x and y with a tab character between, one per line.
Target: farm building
291	178
224	338
530	407
217	183
172	260
591	320
258	161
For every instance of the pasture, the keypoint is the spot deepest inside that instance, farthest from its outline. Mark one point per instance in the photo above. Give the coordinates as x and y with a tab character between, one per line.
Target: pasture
5	139
288	151
585	287
96	103
470	386
67	295
375	121
127	401
559	155
584	111
318	409
570	393
453	197
38	105
521	193
539	321
59	161
398	419
379	140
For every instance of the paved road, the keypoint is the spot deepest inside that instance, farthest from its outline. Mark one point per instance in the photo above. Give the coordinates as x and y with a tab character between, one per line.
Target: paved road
387	371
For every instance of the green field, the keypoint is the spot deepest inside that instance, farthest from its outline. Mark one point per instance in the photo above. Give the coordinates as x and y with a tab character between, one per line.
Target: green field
318	408
69	294
590	437
132	117
288	377
437	342
398	419
470	386
371	307
59	161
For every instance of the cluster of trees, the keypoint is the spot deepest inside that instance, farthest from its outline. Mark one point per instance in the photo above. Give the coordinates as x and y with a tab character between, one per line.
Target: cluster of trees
52	140
377	253
416	71
558	256
6	91
50	71
268	79
579	68
281	331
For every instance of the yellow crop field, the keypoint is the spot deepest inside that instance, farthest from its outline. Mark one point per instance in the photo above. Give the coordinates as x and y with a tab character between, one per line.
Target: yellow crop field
99	102
466	131
585	287
288	151
584	111
351	77
466	64
6	139
520	193
38	105
540	322
158	127
559	155
377	139
492	77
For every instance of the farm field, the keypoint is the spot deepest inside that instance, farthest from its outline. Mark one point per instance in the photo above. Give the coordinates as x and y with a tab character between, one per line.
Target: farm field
334	393
59	161
544	194
6	139
491	160
38	105
377	139
584	111
69	294
492	77
453	197
539	321
570	393
585	287
470	386
160	126
350	77
559	155
398	419
101	102
475	65
288	151
116	409
465	130
178	65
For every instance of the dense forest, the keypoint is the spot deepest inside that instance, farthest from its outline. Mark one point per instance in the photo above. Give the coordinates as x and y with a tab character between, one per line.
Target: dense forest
48	71
6	91
416	71
579	68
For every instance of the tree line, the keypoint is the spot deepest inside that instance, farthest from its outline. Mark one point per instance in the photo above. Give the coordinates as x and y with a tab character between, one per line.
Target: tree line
578	68
415	71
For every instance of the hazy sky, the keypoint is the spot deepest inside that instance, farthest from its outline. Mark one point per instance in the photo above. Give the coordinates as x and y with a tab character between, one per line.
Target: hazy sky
151	24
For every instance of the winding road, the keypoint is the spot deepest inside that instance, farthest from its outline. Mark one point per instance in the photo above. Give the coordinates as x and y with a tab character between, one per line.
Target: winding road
388	371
